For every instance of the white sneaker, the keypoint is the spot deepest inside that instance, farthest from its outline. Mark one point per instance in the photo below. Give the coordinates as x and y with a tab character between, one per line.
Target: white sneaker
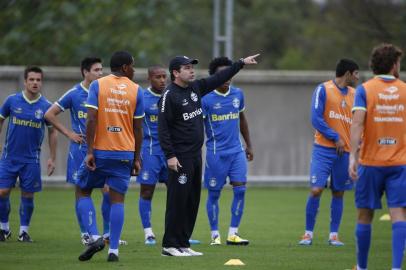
176	252
191	252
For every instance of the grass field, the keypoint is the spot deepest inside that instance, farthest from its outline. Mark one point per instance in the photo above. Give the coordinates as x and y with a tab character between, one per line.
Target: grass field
273	222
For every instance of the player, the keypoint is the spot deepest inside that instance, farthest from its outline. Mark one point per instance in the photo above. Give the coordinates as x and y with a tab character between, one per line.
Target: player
379	117
22	148
331	117
114	136
74	100
224	119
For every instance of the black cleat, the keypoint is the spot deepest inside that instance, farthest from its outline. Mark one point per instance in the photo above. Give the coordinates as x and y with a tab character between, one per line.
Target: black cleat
24	237
112	257
4	235
92	249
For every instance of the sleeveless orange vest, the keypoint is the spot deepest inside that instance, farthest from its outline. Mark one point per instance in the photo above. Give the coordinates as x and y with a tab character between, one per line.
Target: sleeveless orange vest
117	101
337	114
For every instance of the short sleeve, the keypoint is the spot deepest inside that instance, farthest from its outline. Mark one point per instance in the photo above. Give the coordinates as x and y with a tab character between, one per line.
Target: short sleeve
242	103
65	102
360	100
93	97
5	108
139	109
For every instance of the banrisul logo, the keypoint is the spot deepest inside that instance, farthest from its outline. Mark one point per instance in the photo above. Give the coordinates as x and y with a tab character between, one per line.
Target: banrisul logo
114	129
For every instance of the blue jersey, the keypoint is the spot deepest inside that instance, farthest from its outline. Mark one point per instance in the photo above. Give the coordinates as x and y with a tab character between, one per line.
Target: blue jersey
25	131
222	120
75	100
150	142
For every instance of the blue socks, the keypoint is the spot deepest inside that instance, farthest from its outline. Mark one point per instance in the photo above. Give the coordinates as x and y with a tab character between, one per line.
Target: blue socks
116	224
363	238
81	226
237	206
212	208
312	207
398	243
144	208
88	215
4	209
26	209
105	209
336	214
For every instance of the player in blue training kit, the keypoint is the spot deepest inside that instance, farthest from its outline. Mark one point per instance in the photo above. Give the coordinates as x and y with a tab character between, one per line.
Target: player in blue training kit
21	152
154	166
224	119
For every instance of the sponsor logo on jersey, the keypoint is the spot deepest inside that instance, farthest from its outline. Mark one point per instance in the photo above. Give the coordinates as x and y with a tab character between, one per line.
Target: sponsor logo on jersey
338	116
154	107
26	123
217	106
182	179
39	114
18	110
343	104
82	115
114	129
185	102
193	96
388	119
153	118
388	97
236	103
188	116
391	89
224	117
387	141
389	109
164	100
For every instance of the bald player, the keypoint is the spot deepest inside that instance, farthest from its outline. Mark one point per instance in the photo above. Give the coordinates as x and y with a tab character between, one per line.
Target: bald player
331	117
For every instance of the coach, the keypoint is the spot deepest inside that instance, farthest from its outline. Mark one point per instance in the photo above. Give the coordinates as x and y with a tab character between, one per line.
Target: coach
180	130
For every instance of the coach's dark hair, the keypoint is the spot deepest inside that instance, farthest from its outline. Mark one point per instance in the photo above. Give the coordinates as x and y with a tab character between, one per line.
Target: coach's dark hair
383	57
32	69
87	64
344	65
219	62
119	59
171	73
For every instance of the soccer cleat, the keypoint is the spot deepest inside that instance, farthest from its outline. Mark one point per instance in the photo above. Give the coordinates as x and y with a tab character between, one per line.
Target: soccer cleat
237	240
175	252
215	241
92	249
150	240
4	235
333	241
86	239
24	237
112	257
194	242
306	240
191	252
120	242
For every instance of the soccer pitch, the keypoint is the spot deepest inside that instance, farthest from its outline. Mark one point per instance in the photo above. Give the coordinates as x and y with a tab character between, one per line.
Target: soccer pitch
273	221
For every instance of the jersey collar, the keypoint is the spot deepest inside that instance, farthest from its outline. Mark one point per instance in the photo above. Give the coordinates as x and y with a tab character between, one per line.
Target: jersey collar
84	88
386	77
30	101
221	94
153	93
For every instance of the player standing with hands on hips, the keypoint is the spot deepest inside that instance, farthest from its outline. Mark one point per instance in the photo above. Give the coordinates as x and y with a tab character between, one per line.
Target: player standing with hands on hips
181	135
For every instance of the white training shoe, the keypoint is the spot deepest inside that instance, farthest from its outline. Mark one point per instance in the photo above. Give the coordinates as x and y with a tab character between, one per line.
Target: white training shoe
191	252
176	252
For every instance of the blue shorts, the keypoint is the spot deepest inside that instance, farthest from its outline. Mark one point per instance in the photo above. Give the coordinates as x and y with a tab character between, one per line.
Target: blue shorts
76	155
29	175
326	163
219	166
374	181
113	172
154	169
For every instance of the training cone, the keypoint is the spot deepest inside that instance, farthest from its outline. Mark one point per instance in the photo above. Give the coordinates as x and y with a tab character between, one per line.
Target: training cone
234	262
384	217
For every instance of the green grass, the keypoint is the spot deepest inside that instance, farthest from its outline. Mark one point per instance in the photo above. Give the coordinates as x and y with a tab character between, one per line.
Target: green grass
273	221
